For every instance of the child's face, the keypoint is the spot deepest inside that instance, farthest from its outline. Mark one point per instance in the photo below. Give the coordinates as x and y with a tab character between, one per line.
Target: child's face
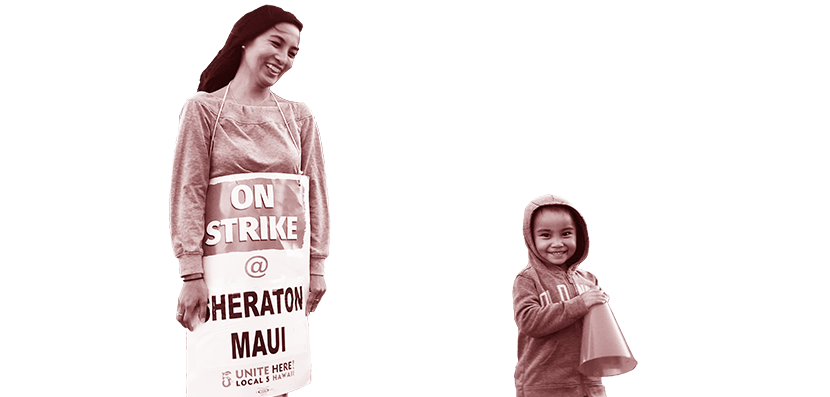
554	234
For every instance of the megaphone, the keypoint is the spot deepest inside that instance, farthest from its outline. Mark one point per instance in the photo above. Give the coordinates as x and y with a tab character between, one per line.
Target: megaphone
604	351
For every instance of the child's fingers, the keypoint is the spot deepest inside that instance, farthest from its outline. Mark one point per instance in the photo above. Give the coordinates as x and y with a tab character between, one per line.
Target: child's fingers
596	296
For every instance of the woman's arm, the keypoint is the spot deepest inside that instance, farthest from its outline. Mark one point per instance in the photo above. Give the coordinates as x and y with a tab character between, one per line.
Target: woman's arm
191	173
313	166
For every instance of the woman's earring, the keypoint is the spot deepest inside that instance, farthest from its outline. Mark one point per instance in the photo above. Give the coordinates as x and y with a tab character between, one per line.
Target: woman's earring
243	47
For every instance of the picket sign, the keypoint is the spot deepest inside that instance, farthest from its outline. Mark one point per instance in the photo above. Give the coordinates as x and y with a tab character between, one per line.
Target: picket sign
256	259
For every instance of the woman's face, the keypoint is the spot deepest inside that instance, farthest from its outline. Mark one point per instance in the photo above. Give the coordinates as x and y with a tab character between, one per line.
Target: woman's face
267	57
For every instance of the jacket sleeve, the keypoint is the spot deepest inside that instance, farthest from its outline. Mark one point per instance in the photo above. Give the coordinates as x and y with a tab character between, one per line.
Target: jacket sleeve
191	174
313	166
536	320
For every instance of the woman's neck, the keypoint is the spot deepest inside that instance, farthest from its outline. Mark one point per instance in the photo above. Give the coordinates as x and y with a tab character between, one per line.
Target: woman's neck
244	92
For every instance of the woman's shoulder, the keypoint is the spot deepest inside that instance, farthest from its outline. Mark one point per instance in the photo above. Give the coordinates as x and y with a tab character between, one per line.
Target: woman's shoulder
202	102
300	109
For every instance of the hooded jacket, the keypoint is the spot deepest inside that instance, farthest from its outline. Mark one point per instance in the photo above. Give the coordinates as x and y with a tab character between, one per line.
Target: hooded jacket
548	311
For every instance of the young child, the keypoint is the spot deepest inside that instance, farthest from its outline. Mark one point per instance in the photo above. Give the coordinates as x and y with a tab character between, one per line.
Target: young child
550	297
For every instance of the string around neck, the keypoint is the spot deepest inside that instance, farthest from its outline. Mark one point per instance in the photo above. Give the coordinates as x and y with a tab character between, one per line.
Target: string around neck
237	101
284	120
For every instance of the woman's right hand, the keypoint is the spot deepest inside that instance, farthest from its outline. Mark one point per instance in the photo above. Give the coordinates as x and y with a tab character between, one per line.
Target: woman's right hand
594	296
193	300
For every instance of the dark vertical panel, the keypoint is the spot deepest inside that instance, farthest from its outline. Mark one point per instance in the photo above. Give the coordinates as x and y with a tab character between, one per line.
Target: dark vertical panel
415	200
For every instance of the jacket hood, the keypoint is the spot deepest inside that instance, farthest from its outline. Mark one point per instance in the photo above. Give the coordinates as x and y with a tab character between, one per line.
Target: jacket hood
537	260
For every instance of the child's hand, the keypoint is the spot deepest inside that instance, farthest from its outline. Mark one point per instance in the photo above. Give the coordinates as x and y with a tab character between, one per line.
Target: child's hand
594	296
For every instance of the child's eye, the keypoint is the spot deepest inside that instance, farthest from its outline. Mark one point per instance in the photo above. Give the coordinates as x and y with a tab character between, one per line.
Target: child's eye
275	44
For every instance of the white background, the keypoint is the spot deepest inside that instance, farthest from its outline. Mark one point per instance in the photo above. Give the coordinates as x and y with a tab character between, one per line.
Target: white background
733	134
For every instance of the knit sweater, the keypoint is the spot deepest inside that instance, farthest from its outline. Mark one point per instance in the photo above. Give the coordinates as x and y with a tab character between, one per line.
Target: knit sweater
247	139
548	311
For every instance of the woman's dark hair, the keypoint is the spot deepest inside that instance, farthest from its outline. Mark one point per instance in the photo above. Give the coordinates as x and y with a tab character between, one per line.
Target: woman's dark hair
224	66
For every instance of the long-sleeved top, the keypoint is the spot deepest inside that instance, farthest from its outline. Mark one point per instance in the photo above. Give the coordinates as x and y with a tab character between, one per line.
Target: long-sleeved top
548	311
247	139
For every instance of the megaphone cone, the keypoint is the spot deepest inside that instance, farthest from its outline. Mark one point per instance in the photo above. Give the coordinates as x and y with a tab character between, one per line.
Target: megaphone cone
604	351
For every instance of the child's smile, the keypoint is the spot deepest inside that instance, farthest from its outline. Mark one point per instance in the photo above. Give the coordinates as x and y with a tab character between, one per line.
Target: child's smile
554	234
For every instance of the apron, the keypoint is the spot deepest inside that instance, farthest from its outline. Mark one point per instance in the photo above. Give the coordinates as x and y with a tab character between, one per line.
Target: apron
255	341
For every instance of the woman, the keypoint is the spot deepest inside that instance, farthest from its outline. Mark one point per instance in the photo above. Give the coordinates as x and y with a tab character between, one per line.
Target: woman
235	124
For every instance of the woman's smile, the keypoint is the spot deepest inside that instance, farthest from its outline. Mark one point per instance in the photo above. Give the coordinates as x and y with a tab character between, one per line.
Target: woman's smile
273	68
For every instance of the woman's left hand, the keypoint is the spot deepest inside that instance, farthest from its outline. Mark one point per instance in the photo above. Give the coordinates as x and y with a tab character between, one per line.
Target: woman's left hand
317	287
